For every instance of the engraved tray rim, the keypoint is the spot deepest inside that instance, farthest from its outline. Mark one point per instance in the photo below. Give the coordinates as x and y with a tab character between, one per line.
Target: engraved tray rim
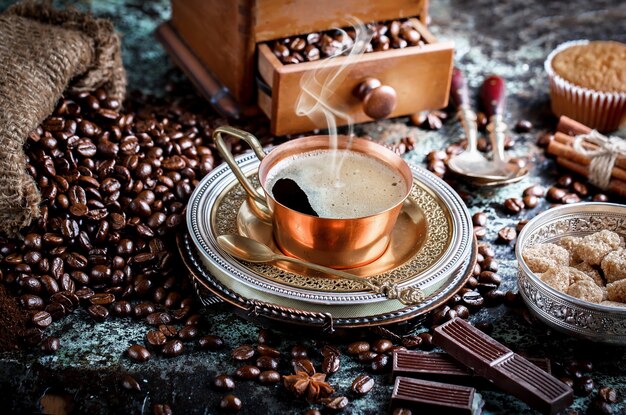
560	311
211	187
257	311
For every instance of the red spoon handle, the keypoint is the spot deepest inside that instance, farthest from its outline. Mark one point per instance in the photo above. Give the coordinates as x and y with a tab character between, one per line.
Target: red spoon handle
493	96
458	90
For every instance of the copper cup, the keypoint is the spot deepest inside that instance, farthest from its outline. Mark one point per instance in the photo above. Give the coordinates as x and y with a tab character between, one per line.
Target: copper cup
335	243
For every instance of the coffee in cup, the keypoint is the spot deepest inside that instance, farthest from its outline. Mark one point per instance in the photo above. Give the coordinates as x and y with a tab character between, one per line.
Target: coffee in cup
338	184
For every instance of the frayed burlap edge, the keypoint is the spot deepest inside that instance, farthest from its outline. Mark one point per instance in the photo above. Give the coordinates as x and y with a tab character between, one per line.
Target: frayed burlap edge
107	70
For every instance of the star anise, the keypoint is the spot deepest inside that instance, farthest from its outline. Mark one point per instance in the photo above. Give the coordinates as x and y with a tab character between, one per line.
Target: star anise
312	387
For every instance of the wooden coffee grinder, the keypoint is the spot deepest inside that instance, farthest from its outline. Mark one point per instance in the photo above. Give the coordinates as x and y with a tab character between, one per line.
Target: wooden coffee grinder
225	48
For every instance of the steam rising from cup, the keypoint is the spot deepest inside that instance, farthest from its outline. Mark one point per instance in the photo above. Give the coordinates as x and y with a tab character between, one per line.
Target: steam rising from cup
317	98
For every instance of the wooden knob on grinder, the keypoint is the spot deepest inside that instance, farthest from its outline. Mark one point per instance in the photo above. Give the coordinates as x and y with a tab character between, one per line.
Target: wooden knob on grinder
378	100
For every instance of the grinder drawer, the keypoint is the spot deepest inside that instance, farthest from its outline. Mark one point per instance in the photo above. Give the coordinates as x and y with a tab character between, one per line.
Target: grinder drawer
419	76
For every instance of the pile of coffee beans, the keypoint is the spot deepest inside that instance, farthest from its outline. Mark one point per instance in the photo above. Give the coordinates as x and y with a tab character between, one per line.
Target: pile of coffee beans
114	188
395	34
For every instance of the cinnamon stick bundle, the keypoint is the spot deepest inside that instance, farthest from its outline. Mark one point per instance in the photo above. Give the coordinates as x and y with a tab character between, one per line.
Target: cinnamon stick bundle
561	147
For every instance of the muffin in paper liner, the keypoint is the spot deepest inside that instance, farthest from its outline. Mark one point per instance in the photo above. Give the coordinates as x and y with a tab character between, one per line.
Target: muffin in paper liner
603	111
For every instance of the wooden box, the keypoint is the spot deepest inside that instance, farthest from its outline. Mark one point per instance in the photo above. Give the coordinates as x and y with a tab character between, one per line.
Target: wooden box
228	40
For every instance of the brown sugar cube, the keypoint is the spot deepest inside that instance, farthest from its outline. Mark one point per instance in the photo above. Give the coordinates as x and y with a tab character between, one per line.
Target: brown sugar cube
617	291
557	278
541	257
586	290
614	265
591	272
613	304
570	243
593	248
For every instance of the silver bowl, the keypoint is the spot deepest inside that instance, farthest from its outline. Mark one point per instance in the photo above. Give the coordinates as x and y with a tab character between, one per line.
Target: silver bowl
558	310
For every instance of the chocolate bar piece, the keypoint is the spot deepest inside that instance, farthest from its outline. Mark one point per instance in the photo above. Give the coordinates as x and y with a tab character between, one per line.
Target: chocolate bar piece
425	397
509	371
442	367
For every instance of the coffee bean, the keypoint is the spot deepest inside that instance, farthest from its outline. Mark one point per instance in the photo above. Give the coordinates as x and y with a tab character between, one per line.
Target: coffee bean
607	394
583	386
102	299
411	341
50	345
362	384
473	299
565	181
507	235
138	353
267	363
241	353
480	232
98	312
230	403
567	380
331	363
303	365
161	408
122	308
224	382
461	311
265	350
570	198
130	383
31	302
189	332
329	349
247	372
211	342
600	197
358	347
544	140
523	126
380	363
520	225
168	330
489	264
513	205
530	201
494	297
269	377
173	348
486	251
367	356
580	189
381	346
479	219
41	319
158	318
335	404
555	194
535	190
298	351
155	338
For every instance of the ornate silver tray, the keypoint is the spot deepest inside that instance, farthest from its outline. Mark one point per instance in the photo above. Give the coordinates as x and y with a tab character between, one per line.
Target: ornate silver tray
258	306
560	311
216	207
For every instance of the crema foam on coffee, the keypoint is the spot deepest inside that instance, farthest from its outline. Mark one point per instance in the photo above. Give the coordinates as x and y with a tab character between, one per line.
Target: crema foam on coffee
359	186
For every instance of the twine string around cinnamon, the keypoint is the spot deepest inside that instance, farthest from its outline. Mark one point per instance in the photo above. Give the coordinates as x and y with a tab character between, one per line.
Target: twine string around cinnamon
602	158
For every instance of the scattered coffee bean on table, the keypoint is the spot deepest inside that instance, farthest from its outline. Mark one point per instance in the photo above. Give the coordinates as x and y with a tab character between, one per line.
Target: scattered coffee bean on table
230	403
138	353
224	382
362	384
130	383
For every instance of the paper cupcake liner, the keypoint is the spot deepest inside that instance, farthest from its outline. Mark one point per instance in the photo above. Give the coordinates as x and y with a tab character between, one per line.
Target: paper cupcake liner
603	111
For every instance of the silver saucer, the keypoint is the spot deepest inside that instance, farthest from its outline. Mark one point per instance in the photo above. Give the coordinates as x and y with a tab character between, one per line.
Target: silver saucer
206	208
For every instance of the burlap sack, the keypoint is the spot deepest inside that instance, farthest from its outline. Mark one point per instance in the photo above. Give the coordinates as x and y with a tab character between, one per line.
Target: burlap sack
44	52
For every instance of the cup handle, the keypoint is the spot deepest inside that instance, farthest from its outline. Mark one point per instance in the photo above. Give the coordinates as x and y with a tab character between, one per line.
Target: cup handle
228	157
